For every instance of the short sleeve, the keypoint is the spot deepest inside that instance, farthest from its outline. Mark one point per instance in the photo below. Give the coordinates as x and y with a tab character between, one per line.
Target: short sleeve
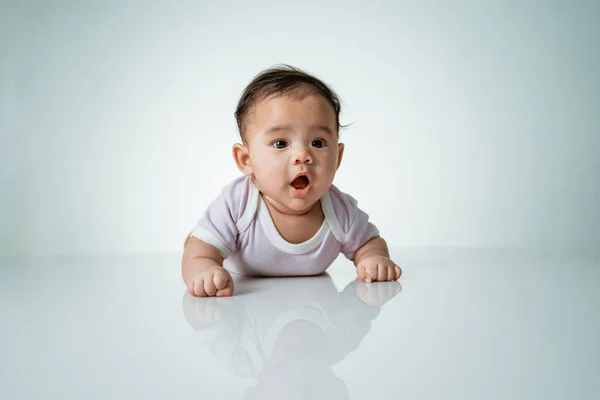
360	229
350	225
218	226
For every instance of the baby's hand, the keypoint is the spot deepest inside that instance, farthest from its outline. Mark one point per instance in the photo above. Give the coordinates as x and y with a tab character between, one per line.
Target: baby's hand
377	268
211	281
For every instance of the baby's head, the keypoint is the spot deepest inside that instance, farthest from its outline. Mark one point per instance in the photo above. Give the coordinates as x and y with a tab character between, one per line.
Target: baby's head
289	125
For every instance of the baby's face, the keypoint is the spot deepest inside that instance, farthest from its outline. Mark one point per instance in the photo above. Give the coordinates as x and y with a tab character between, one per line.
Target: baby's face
287	138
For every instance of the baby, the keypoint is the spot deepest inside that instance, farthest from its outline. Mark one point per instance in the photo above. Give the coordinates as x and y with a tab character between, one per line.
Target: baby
284	216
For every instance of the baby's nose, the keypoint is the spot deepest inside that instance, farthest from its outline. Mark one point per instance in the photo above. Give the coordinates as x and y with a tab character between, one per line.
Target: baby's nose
303	156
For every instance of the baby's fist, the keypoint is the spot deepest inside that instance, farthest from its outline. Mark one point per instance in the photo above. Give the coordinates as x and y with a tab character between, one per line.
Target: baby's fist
377	268
211	281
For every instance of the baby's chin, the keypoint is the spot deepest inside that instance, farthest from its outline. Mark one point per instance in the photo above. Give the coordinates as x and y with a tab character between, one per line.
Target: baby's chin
293	206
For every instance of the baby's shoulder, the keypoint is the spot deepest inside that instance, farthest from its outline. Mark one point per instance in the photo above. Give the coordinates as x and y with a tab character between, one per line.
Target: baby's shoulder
344	206
236	187
235	195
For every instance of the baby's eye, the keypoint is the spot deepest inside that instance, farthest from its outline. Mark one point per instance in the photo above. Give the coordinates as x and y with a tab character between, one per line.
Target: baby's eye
280	144
318	143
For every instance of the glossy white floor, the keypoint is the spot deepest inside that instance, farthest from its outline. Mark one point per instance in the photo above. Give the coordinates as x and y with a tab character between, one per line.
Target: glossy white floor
460	324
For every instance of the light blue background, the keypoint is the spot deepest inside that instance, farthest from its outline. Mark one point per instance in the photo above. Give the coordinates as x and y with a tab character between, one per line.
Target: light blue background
475	123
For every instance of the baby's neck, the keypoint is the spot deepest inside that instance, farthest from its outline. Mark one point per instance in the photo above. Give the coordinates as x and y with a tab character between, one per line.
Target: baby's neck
297	228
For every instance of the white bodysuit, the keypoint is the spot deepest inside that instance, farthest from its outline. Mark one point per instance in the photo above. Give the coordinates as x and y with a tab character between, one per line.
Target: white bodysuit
239	225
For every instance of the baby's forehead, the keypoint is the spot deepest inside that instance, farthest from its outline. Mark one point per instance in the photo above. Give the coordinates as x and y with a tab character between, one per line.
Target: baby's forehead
282	109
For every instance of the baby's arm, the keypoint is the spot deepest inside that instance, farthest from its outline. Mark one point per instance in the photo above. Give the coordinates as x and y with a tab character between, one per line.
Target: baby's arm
202	270
372	261
211	241
362	243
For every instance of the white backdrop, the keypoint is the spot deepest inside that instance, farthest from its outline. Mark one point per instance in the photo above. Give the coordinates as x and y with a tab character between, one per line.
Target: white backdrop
475	123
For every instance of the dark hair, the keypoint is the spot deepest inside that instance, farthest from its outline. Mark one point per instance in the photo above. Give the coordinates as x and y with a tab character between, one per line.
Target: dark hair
283	80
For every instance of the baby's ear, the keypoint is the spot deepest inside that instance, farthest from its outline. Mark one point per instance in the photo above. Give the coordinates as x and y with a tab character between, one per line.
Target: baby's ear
340	154
242	158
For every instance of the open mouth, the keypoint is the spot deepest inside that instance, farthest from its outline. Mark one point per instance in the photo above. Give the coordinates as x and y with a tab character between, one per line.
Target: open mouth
300	182
300	186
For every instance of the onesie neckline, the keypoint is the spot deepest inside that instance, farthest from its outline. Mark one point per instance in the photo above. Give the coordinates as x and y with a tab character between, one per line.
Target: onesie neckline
276	239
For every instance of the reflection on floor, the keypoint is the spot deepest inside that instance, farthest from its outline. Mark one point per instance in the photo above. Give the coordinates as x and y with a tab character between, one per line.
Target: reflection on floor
287	332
